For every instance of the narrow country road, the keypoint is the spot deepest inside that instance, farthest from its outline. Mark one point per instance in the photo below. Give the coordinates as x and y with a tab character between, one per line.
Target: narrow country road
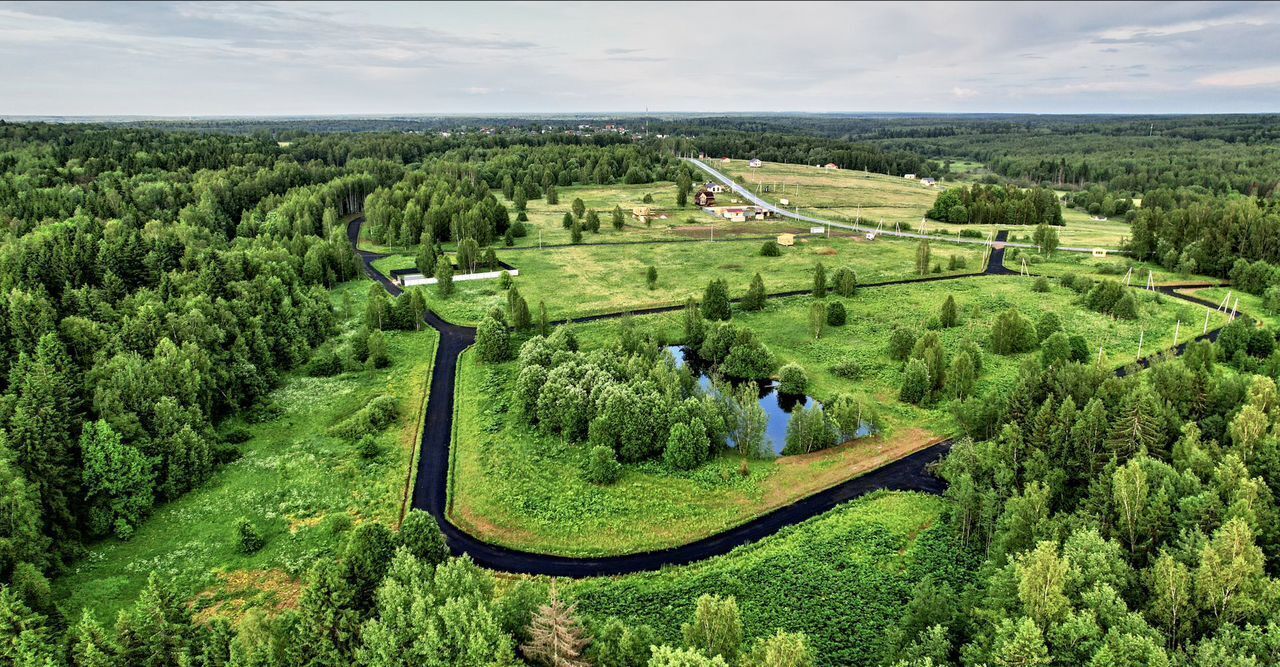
758	201
431	488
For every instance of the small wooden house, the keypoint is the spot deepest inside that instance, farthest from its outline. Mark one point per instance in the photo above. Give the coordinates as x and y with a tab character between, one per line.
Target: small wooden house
704	198
786	239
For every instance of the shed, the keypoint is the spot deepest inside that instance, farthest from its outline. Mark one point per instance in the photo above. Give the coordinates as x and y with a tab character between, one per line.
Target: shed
830	165
787	239
725	160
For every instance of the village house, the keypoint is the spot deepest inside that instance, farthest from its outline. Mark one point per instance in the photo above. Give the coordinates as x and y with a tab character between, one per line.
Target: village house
754	163
725	160
909	177
929	181
830	165
704	198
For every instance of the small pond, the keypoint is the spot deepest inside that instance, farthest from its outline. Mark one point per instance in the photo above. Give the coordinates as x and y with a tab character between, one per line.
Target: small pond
777	406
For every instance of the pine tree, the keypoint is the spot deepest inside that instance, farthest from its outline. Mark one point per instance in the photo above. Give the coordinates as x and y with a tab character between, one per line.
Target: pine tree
555	637
949	316
618	219
567	221
651	277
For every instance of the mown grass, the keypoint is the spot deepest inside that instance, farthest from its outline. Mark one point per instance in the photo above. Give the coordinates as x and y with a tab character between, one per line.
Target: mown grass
1250	304
842	578
586	280
291	480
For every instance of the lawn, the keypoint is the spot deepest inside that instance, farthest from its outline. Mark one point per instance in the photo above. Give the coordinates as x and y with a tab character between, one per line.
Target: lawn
585	280
292	480
842	578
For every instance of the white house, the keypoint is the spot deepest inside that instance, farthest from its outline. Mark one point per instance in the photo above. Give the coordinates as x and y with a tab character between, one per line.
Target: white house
929	181
909	177
754	163
716	188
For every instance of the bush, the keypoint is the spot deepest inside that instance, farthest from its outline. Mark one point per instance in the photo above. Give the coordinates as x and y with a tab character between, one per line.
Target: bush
1040	285
915	382
369	420
848	369
493	342
248	539
836	314
602	466
901	341
367	448
236	435
950	314
1049	324
845	281
792	380
376	345
687	445
420	534
324	363
1012	333
770	249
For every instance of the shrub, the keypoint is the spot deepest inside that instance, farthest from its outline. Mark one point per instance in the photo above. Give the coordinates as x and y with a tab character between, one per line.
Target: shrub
493	342
1049	324
819	281
1040	285
915	382
845	281
367	448
1012	333
1055	349
848	369
715	301
602	466
755	297
376	345
836	314
949	315
324	363
770	249
248	539
793	380
421	535
236	435
371	419
651	277
956	263
687	445
901	341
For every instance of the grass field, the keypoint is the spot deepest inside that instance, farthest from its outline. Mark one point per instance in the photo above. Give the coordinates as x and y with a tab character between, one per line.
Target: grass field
859	197
873	313
512	485
292	480
1250	304
842	578
1113	267
585	280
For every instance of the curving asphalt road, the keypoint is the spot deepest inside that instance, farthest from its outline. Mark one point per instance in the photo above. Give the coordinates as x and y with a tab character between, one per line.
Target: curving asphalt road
911	473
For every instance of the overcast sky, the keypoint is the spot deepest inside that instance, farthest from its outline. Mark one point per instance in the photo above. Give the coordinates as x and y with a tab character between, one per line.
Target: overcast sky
206	58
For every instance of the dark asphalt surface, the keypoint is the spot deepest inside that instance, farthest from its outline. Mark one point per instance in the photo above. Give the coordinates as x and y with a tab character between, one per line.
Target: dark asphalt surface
911	473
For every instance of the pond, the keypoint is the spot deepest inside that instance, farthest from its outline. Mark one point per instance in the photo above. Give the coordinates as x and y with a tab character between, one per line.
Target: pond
777	407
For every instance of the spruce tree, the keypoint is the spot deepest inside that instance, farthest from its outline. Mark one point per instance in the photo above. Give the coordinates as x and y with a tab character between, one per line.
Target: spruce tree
755	297
556	639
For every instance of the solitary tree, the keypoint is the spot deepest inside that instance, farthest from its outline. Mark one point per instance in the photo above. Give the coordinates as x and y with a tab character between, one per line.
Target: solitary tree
949	316
618	220
555	637
579	208
922	257
817	318
651	277
819	281
715	301
755	296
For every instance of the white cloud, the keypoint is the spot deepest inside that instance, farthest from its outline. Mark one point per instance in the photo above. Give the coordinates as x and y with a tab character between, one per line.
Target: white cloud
963	93
1245	78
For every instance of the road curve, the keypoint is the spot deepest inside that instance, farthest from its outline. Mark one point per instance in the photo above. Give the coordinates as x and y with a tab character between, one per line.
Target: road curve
753	198
430	493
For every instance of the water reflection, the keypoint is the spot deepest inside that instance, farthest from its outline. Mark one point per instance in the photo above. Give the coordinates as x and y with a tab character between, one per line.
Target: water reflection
777	406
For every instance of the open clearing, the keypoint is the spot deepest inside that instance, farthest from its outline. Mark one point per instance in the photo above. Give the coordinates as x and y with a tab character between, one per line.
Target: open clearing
587	280
299	485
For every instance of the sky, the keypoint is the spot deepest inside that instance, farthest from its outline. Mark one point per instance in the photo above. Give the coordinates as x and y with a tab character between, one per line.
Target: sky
340	58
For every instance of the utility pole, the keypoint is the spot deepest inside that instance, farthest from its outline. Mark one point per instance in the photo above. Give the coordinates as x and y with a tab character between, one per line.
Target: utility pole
1140	336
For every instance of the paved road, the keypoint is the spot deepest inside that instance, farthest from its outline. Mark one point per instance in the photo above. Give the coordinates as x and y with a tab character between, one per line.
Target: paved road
751	196
431	489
